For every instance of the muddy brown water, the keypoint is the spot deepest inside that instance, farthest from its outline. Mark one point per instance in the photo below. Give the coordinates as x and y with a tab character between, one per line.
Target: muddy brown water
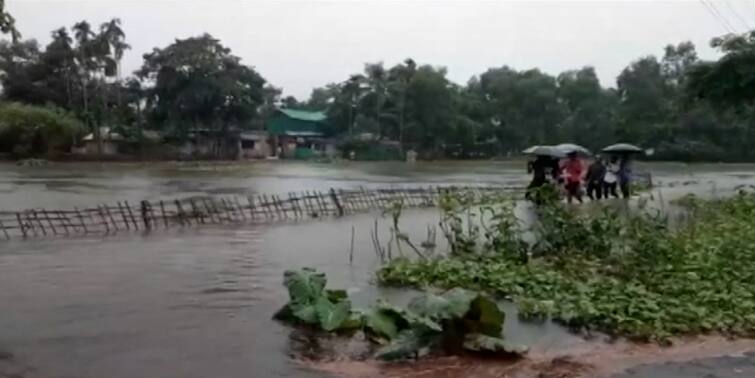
197	302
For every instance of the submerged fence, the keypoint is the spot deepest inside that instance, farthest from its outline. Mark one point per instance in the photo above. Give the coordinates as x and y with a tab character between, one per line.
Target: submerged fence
195	211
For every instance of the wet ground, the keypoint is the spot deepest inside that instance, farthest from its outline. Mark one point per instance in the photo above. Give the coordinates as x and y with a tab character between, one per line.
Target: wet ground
197	302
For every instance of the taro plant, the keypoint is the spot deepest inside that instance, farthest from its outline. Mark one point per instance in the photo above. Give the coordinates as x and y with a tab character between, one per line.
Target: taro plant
455	321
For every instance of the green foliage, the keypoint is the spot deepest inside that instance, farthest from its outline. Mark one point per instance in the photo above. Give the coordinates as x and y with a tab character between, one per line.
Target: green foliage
454	321
311	304
27	130
627	275
198	82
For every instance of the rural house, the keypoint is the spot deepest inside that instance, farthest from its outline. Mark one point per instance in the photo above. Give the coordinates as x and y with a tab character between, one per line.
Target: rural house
300	134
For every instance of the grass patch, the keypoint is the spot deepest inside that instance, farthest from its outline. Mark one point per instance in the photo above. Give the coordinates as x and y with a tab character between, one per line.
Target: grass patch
625	275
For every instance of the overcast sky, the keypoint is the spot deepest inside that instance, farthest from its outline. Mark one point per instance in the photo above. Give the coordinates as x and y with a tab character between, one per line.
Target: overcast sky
298	45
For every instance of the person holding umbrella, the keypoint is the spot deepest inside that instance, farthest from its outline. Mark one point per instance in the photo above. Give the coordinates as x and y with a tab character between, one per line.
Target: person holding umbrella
573	171
596	173
545	171
624	174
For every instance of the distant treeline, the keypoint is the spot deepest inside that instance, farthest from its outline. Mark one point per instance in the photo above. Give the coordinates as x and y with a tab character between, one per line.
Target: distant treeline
682	107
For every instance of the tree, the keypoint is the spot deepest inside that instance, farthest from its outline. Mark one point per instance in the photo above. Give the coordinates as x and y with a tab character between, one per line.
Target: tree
429	109
400	77
589	108
730	81
645	102
198	82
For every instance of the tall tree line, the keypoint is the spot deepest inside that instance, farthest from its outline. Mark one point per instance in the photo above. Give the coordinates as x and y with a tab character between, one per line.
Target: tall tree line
676	104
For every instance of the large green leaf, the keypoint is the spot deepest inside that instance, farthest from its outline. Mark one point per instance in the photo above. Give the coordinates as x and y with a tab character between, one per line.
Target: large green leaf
306	314
304	286
484	317
453	304
381	323
476	342
331	316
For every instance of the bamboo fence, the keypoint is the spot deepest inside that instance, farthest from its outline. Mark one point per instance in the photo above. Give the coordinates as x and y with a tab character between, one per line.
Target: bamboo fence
125	216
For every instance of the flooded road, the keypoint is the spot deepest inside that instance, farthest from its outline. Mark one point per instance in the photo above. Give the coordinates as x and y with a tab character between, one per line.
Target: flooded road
198	302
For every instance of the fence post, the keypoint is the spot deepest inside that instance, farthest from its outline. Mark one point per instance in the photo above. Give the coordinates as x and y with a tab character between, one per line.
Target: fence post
145	216
21	224
336	202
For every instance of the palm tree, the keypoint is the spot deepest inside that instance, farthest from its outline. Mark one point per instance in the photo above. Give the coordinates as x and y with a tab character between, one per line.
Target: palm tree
62	47
115	39
351	93
85	48
377	79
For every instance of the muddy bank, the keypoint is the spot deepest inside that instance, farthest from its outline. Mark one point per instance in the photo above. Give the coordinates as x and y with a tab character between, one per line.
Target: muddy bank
694	357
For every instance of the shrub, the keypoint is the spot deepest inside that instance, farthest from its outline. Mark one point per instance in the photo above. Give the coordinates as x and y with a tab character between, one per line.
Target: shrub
27	130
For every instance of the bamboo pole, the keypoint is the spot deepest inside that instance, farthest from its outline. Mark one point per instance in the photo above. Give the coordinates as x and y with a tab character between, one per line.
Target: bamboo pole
164	215
21	224
81	220
131	215
31	222
123	215
145	215
49	221
195	211
5	232
180	213
110	216
104	220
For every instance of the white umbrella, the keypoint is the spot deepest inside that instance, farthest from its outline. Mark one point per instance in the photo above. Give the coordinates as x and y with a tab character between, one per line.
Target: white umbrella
625	148
571	147
545	151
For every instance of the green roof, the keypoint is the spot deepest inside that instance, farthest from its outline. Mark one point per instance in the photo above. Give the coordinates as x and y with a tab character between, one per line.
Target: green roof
298	122
304	115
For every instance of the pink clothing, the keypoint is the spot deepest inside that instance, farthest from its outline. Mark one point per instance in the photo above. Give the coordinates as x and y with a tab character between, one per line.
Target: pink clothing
573	170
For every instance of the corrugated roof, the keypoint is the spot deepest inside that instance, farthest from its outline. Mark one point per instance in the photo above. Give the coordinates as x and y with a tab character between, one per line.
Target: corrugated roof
304	115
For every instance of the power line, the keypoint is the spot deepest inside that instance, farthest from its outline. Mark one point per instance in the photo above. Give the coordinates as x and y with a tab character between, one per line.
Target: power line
714	12
737	15
724	18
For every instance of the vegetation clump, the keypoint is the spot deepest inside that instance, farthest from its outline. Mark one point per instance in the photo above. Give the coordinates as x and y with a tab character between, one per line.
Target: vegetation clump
27	130
630	275
458	320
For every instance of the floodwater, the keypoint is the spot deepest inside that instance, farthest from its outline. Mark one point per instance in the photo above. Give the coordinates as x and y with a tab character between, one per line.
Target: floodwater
198	302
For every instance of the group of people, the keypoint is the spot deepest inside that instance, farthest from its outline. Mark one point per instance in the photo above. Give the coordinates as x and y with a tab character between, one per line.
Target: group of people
600	179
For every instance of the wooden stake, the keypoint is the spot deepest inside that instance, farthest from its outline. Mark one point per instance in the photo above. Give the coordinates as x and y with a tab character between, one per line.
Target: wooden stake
65	221
31	222
5	232
165	216
145	215
49	221
180	213
195	211
21	224
131	215
123	215
104	220
110	216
